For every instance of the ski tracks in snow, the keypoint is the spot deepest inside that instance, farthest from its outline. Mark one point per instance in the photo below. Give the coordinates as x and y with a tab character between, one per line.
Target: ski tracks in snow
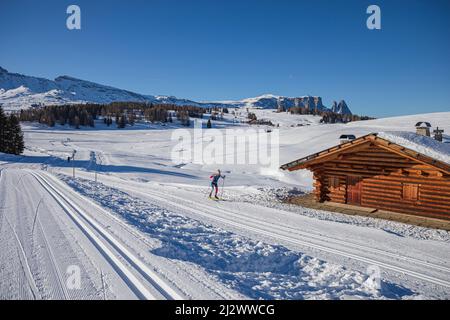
125	262
133	247
254	268
39	243
434	274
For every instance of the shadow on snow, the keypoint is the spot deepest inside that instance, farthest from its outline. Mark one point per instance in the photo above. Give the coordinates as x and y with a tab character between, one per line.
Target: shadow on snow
53	161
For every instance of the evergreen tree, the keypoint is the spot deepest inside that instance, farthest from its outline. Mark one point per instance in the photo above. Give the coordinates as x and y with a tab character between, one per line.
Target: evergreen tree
11	136
51	121
76	122
122	122
3	125
16	144
132	119
90	121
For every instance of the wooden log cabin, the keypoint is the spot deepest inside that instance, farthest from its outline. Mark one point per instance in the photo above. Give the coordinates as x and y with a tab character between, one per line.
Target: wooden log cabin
376	172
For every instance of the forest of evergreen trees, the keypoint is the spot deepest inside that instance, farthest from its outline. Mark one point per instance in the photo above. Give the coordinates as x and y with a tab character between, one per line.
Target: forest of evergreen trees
120	114
331	117
11	136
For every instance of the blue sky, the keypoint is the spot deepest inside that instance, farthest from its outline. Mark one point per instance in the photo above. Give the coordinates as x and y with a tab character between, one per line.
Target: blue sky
221	50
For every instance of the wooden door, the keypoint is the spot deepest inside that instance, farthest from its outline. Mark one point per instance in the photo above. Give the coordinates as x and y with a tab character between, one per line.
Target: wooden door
354	190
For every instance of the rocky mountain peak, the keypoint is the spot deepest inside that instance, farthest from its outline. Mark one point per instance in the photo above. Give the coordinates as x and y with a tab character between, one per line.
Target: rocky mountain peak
343	108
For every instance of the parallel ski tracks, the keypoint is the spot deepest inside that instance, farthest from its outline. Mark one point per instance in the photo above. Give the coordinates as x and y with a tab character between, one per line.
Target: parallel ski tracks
319	242
114	251
20	249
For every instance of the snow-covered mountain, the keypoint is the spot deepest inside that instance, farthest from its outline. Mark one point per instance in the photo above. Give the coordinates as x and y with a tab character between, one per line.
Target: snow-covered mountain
19	91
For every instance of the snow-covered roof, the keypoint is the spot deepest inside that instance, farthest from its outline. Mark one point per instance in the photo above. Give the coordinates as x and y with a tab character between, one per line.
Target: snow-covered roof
421	144
413	145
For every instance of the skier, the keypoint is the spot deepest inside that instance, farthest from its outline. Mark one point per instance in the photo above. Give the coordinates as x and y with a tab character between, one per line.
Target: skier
214	183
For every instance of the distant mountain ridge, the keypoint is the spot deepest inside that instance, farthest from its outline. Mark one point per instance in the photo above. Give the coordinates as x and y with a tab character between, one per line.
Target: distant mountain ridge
19	91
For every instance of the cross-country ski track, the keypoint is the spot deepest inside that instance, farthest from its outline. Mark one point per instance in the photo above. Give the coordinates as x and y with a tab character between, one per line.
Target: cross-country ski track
94	231
235	216
132	276
126	250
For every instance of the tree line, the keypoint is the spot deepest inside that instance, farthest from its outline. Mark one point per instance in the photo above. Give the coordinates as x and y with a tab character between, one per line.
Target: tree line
328	116
119	113
331	117
11	136
122	114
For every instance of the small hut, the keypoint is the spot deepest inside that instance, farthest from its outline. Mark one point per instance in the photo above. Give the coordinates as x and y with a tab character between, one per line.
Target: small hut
398	171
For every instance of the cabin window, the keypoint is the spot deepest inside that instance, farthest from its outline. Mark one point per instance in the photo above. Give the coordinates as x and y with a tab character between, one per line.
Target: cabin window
334	182
410	191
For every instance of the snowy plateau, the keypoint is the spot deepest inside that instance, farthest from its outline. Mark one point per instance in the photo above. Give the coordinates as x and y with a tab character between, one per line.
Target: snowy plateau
133	225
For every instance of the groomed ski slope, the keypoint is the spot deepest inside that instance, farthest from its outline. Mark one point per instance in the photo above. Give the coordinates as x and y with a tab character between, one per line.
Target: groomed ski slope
112	267
147	230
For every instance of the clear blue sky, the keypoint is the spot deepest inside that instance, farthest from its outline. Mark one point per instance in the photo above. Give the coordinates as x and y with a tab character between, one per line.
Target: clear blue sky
230	49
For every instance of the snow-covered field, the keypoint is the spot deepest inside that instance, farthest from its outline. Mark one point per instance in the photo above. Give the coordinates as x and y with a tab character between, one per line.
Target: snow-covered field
146	229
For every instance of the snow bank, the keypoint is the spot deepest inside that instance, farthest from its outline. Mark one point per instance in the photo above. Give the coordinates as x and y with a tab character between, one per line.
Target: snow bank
422	144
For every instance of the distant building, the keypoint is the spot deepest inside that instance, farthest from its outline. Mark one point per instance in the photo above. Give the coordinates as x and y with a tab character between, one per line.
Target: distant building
402	172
